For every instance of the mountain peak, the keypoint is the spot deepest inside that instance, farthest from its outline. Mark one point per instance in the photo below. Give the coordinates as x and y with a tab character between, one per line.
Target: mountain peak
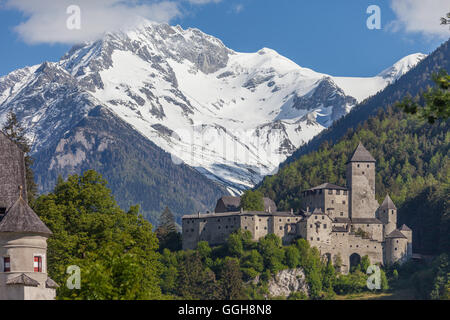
402	66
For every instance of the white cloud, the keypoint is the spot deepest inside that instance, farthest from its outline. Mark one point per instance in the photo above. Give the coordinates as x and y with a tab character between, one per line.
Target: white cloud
238	8
46	20
420	16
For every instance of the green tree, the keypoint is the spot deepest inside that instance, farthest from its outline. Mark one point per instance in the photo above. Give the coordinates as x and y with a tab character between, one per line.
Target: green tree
167	233
14	130
235	245
230	285
437	100
194	281
252	201
272	252
116	250
292	256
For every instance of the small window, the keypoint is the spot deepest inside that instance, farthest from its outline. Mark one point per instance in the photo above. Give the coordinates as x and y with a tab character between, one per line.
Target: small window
37	264
332	201
395	249
310	226
358	165
325	226
338	192
281	228
330	191
315	217
6	264
343	202
245	228
318	239
256	228
368	166
363	172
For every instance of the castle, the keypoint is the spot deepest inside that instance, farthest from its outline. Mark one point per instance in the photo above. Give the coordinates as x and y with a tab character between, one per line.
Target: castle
23	236
340	221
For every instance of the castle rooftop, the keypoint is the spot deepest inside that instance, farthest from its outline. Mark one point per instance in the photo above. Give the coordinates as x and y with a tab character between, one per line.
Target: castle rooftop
327	186
21	218
388	203
396	234
362	155
238	213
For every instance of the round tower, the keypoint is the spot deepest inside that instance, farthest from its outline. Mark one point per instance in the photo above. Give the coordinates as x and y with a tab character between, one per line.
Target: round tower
23	255
396	247
407	232
387	213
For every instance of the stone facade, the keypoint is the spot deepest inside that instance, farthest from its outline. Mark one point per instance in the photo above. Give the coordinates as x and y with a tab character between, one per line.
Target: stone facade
340	221
23	236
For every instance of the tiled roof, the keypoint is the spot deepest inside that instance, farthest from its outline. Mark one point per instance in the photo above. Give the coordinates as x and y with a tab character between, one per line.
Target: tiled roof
362	155
388	203
405	228
22	219
23	279
366	221
50	283
396	234
327	186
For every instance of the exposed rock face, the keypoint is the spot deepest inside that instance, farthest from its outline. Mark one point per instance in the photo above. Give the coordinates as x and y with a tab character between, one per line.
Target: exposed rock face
287	282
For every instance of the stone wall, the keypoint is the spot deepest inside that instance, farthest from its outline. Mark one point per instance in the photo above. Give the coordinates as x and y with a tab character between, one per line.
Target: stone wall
361	181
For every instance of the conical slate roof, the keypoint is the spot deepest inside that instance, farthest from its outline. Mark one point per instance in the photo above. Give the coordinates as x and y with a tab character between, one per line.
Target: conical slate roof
396	234
388	203
362	155
23	279
22	219
404	228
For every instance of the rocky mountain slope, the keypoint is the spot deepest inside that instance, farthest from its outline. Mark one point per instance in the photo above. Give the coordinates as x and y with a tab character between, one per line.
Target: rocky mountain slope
232	116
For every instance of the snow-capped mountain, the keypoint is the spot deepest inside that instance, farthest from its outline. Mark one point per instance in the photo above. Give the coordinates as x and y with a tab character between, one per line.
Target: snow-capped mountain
233	116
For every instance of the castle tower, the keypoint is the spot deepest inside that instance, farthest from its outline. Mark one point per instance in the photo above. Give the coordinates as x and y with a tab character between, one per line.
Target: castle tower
387	213
361	182
12	173
23	236
396	248
407	232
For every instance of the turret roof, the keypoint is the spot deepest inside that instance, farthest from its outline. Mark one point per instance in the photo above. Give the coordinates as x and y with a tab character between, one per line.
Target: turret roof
405	228
388	203
396	234
23	279
22	219
362	155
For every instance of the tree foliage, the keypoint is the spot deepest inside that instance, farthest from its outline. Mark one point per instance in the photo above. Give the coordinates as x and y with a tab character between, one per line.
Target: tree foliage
436	100
252	201
116	250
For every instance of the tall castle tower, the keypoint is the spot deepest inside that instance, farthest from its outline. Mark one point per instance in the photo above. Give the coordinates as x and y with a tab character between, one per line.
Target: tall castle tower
361	184
387	213
23	236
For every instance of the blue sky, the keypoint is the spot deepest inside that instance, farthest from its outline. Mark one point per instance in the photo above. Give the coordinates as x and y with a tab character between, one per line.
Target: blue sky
327	36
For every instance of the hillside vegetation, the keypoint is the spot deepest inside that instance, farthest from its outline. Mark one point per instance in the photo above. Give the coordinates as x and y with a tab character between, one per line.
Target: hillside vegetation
412	166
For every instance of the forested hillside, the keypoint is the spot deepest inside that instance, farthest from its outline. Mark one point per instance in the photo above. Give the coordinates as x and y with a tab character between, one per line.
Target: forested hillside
412	166
413	83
